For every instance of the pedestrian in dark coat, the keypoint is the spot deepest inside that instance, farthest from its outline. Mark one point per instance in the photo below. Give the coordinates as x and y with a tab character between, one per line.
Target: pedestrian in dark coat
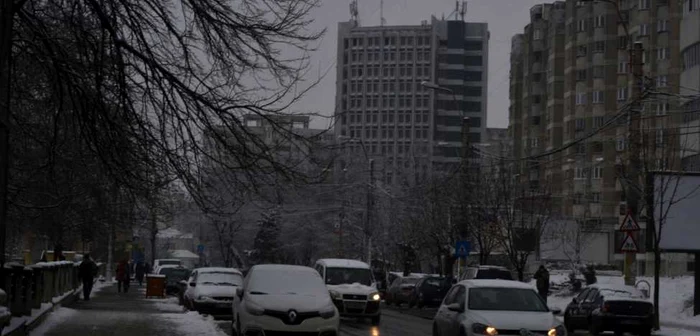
590	276
87	272
542	277
140	271
123	276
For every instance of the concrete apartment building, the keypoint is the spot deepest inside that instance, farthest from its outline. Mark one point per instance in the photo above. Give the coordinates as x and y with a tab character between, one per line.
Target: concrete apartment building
569	78
381	106
690	84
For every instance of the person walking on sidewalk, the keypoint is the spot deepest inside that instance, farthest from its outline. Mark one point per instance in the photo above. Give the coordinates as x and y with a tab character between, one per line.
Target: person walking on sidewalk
140	271
542	277
123	276
87	272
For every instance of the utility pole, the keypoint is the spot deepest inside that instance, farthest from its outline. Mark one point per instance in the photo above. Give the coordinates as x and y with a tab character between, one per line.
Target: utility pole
636	71
6	15
370	203
464	176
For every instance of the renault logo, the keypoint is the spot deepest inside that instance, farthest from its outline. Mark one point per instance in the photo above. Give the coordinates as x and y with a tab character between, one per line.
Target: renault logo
292	316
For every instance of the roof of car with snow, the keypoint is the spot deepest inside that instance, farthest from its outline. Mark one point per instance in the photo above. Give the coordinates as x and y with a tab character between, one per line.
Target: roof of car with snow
279	267
349	263
495	283
614	287
488	266
218	270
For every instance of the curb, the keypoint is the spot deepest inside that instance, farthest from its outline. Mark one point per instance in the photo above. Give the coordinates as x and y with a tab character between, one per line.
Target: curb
677	325
24	328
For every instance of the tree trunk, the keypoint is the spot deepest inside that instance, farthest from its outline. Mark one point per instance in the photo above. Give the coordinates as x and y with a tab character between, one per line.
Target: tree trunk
6	18
521	274
154	235
657	271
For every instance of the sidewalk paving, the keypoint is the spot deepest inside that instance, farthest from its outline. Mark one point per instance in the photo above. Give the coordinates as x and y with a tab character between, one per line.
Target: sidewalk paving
119	314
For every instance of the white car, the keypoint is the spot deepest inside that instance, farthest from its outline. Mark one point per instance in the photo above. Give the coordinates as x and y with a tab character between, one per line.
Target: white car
276	299
211	290
495	307
161	262
352	287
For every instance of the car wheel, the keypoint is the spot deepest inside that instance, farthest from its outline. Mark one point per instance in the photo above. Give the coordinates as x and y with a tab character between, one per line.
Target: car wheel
436	332
376	320
462	332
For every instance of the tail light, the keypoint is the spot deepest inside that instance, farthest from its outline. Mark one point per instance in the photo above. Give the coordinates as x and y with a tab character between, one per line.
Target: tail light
606	308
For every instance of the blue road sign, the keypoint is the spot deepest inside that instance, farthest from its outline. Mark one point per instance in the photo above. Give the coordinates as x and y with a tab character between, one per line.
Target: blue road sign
200	248
462	249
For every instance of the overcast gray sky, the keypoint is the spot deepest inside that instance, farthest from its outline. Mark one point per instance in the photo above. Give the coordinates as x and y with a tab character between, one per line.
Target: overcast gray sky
504	17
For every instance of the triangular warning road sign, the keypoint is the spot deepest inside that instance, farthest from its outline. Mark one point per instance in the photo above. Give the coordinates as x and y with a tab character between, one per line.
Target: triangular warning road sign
629	224
628	244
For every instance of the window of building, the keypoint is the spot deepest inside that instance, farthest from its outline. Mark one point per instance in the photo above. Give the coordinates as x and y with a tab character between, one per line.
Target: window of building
599	47
662	26
537	34
595	197
581	27
661	81
622	67
644	4
599	21
659	138
581	51
598	121
473	45
580	98
580	124
580	173
597	173
620	144
622	42
661	109
581	75
622	94
598	97
644	29
473	61
663	53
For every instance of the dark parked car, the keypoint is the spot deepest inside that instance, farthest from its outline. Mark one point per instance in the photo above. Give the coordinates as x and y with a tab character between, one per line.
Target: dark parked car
430	291
401	290
617	308
173	276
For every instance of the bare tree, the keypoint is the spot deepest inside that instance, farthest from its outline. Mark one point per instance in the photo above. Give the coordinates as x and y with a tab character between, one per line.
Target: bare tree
523	220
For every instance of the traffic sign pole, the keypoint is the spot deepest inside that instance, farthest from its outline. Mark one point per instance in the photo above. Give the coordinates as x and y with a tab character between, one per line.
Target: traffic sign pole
629	246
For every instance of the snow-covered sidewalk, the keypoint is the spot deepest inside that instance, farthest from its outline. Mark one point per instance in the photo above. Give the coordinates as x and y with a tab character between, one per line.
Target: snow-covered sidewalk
128	314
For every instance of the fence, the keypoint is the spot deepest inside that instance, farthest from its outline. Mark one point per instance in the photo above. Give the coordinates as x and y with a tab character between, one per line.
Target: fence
27	287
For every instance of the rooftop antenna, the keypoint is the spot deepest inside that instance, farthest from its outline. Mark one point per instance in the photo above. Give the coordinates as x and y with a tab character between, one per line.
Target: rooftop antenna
354	17
382	20
463	11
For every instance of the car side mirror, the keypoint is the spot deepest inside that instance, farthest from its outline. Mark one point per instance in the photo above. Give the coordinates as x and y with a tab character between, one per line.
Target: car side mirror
574	300
239	292
455	307
193	284
555	311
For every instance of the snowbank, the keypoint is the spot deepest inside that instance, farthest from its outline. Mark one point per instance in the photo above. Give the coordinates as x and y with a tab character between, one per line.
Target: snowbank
191	323
58	316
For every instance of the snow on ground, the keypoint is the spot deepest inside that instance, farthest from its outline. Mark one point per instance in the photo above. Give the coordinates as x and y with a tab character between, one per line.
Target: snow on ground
55	318
192	324
168	305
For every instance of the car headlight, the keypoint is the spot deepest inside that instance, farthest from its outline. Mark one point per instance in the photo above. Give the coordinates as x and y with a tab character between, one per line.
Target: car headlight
254	309
328	312
482	329
375	297
335	295
558	331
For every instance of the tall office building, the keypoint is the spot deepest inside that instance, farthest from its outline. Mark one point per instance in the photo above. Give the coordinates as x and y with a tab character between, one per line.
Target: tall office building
569	78
381	105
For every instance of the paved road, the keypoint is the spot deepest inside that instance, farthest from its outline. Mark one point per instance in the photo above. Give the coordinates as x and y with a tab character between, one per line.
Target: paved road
393	323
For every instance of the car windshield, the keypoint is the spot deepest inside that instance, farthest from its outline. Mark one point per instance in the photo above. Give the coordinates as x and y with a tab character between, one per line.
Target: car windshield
220	279
339	276
494	273
175	274
286	282
505	299
621	293
434	282
169	262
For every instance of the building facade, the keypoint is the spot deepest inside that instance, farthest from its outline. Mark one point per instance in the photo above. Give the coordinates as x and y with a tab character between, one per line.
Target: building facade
690	84
385	112
569	90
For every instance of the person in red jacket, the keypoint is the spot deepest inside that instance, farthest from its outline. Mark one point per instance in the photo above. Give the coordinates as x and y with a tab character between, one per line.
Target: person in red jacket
123	276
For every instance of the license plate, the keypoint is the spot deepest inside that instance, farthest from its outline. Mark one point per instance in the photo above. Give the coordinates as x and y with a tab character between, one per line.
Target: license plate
629	322
355	305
